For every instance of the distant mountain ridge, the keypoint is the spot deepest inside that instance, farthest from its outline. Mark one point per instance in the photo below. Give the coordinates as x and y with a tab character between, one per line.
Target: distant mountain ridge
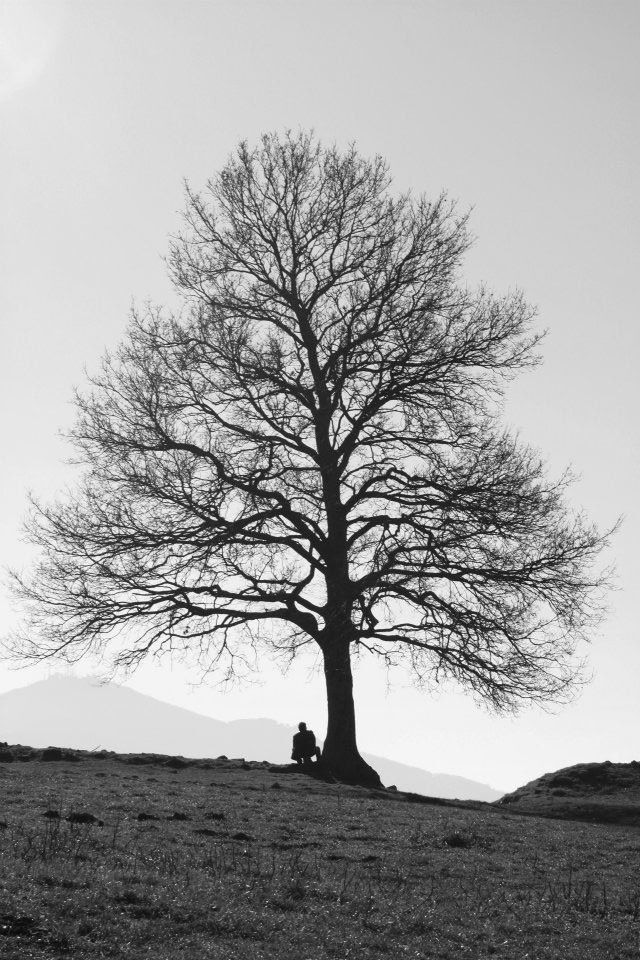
78	713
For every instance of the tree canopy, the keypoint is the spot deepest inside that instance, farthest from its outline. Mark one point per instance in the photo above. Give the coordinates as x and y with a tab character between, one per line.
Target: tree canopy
311	451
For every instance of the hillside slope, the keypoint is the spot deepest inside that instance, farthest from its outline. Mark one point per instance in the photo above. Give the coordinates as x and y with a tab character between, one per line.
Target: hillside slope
85	715
139	857
599	792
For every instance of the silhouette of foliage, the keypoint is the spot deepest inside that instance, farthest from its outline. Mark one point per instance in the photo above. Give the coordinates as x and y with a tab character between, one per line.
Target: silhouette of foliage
311	452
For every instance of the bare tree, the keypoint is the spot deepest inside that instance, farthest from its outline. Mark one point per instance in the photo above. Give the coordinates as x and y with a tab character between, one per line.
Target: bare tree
311	452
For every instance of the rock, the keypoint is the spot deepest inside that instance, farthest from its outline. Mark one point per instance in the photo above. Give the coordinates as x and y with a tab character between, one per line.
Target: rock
84	818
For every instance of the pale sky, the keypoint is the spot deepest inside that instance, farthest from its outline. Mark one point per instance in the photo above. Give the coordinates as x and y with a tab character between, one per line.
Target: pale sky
525	111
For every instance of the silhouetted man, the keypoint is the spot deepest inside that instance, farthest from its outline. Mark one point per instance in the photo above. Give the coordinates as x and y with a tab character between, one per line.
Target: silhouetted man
304	745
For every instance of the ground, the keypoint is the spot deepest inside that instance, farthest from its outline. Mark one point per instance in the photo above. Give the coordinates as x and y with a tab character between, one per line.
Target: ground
596	792
151	857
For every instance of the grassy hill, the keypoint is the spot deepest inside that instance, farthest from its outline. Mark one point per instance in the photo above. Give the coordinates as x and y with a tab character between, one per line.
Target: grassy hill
598	792
131	857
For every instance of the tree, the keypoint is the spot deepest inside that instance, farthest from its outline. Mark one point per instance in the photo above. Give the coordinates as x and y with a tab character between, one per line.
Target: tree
310	452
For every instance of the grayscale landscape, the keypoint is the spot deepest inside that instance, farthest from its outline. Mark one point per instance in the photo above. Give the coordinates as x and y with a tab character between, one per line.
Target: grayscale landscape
86	715
318	505
126	856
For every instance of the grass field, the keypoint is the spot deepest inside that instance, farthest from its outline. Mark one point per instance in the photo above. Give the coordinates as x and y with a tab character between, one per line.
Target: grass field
116	857
598	792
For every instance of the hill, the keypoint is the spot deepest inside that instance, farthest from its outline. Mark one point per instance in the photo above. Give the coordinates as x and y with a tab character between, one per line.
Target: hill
80	713
146	856
598	792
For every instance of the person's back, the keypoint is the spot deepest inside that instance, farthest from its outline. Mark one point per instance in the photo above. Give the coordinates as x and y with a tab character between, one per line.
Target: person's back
304	745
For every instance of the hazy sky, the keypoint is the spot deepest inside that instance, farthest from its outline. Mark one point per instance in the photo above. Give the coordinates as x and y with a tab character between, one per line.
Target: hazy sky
525	111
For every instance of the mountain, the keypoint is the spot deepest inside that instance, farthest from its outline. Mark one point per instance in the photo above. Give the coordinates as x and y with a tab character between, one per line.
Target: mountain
599	792
86	715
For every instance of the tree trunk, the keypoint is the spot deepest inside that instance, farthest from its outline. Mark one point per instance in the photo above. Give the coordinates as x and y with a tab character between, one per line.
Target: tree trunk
340	753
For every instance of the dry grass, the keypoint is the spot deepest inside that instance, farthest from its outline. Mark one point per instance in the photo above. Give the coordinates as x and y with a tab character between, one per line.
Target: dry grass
235	860
597	792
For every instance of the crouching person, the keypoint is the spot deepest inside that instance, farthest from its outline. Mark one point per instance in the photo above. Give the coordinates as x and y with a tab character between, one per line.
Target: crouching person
304	746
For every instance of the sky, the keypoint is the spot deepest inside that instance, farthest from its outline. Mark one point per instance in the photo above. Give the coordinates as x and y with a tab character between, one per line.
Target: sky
525	112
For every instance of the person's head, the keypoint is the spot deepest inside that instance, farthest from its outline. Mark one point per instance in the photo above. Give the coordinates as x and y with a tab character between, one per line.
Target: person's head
302	727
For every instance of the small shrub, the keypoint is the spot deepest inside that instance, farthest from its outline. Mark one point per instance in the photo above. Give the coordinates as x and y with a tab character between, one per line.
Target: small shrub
464	839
